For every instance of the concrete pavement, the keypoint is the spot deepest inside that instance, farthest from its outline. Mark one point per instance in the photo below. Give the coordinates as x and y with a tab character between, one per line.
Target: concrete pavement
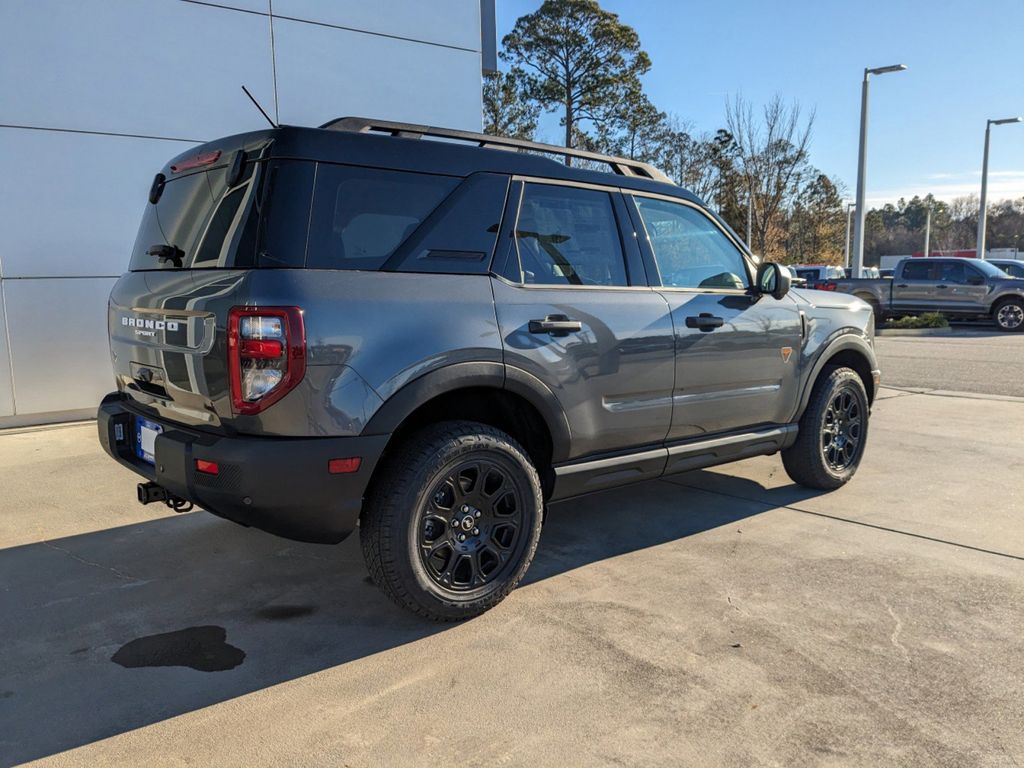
963	360
723	617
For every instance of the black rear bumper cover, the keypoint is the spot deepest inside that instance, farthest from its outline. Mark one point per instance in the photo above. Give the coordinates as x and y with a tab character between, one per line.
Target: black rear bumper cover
278	484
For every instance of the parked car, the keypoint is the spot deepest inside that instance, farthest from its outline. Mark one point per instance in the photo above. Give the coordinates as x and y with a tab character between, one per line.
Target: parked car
814	274
870	272
956	287
1012	267
361	326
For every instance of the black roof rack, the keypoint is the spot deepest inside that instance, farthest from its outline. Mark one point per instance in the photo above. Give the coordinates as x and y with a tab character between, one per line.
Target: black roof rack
619	165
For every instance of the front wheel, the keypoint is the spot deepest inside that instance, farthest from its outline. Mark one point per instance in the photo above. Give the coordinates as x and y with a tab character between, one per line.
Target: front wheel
1009	314
452	523
833	432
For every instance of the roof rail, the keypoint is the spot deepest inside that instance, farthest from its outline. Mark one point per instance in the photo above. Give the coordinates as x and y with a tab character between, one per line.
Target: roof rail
620	165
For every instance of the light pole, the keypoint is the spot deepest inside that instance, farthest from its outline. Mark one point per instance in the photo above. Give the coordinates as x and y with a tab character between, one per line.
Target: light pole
862	164
928	233
983	208
846	243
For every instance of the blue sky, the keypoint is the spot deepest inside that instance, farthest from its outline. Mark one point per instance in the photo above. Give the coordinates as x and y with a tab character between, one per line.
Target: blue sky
965	59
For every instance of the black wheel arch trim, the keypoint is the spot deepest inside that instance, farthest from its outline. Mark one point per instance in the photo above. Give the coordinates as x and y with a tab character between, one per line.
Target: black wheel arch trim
841	342
397	408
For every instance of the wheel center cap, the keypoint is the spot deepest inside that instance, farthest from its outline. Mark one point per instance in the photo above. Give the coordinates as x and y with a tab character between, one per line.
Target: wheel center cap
467	523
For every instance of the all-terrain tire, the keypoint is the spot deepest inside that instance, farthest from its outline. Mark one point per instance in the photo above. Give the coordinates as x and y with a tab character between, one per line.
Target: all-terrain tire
1008	314
403	521
833	432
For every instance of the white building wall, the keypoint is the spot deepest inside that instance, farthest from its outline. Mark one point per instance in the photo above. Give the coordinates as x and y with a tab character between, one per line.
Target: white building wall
96	95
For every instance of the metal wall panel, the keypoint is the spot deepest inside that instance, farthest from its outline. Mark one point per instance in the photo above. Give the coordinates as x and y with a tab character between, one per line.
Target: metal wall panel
6	391
160	68
325	72
70	203
58	333
444	22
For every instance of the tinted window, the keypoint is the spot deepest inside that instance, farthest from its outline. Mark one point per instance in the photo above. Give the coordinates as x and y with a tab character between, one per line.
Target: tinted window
1014	270
361	215
952	272
177	219
691	251
569	236
459	236
916	270
216	226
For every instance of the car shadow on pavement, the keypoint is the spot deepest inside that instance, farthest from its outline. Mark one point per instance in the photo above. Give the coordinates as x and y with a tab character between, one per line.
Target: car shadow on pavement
110	631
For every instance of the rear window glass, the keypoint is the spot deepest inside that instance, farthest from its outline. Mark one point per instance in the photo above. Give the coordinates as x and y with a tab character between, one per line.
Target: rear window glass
361	215
259	222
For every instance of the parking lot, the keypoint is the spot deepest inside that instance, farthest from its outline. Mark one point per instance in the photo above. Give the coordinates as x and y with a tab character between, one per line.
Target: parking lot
721	617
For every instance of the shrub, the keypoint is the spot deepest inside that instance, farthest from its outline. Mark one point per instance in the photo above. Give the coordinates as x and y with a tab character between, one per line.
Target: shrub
926	320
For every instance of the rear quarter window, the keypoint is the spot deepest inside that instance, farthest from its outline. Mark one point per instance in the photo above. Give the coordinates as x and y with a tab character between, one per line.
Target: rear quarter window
360	216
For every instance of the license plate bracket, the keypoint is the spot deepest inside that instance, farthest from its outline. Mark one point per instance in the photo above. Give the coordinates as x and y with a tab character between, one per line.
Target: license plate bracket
145	439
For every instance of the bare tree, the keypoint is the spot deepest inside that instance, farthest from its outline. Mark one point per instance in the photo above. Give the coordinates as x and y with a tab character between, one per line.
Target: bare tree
771	158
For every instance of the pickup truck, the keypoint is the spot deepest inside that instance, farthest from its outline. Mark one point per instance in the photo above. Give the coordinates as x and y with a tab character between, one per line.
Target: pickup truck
956	287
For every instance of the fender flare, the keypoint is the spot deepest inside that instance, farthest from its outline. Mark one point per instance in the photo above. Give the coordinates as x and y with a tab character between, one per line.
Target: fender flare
397	408
847	340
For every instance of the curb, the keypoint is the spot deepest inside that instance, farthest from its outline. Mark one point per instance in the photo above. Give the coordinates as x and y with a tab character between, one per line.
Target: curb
952	393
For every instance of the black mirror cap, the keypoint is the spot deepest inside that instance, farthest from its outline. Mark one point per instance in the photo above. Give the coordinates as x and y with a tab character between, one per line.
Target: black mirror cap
773	280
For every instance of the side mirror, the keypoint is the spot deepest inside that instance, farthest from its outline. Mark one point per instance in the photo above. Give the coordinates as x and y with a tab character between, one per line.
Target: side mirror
772	280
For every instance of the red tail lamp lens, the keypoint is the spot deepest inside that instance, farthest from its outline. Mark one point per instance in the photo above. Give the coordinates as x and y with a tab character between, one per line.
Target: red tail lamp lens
266	355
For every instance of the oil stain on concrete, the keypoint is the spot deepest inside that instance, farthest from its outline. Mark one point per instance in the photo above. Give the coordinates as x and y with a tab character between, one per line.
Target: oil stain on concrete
202	648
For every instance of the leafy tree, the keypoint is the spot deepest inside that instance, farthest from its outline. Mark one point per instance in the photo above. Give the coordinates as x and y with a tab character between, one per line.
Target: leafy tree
581	60
634	127
508	110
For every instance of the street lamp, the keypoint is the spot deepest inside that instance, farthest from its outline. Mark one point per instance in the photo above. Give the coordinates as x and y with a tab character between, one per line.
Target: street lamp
862	162
983	209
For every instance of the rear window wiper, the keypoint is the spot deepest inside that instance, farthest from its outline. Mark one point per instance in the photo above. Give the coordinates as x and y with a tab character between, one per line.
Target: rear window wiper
165	253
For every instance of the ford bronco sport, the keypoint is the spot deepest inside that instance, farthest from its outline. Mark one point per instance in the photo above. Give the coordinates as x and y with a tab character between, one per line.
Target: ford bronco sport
429	334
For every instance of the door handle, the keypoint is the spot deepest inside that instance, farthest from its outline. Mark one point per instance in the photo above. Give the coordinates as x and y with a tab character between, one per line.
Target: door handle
705	321
901	285
943	287
556	325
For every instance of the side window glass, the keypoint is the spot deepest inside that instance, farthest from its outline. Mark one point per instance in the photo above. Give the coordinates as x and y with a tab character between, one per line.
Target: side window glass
915	270
953	273
690	250
361	215
569	236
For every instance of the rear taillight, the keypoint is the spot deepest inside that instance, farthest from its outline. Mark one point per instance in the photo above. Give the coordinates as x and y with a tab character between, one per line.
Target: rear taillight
266	355
827	286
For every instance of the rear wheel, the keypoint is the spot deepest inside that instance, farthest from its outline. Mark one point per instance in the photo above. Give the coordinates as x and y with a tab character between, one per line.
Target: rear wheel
833	432
453	521
1009	314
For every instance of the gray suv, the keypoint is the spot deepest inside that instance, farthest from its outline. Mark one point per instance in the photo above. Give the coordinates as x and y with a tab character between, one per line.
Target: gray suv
430	334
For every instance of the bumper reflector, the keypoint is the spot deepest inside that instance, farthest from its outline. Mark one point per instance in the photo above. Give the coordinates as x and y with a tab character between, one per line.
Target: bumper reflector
207	467
344	466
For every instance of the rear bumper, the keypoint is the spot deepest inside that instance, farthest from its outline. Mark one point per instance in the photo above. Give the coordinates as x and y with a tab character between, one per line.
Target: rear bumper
278	484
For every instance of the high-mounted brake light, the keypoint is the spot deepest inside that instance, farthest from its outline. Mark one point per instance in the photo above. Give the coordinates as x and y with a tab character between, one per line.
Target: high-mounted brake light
266	355
203	158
